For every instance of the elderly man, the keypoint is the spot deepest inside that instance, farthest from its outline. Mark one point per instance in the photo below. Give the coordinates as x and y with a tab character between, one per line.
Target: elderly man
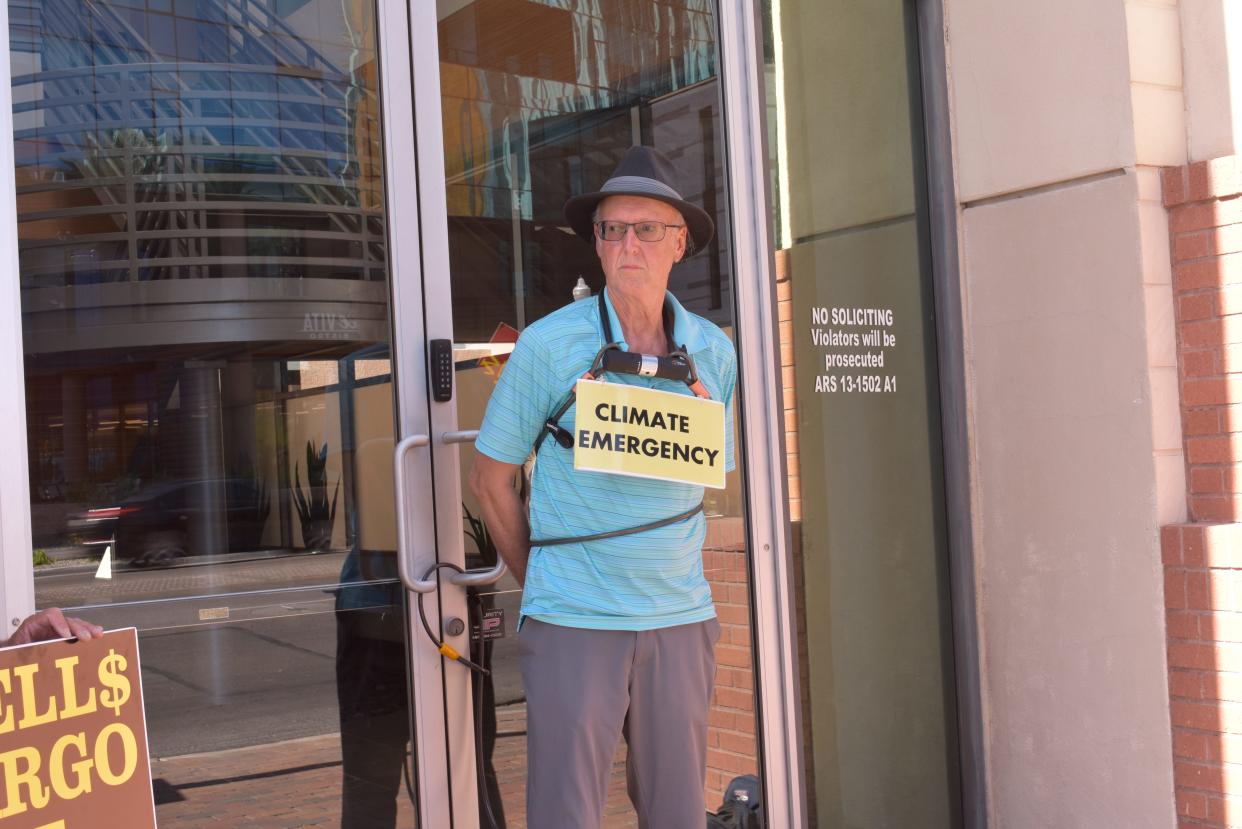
617	633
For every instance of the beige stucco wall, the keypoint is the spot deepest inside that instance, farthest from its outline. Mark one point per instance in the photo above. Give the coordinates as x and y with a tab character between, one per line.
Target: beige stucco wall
1213	77
1040	91
1070	603
1062	113
1158	102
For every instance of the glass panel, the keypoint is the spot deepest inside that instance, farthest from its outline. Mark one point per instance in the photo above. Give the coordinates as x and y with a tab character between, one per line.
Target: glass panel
325	690
209	388
861	413
540	102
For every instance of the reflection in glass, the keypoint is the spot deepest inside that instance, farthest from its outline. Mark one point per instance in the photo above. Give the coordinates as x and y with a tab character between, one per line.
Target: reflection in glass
208	385
540	100
257	744
529	122
371	699
195	185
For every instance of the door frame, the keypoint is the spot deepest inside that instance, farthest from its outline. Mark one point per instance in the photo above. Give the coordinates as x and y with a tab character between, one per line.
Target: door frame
778	704
418	244
762	421
17	599
441	709
436	695
773	610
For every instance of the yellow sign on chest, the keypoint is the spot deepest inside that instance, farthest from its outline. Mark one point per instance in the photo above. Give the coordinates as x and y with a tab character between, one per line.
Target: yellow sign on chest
645	433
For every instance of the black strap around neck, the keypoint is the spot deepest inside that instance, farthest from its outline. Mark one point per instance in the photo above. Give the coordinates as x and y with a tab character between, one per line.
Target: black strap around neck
606	324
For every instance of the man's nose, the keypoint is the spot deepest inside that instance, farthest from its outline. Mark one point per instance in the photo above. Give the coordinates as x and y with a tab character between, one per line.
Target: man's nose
630	240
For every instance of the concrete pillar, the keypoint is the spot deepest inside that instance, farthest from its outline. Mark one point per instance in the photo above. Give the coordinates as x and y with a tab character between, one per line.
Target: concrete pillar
1213	77
73	416
240	441
200	394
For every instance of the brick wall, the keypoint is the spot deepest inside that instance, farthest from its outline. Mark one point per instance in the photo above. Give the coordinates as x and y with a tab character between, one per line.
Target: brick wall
732	748
1203	558
732	745
793	466
1206	238
789	401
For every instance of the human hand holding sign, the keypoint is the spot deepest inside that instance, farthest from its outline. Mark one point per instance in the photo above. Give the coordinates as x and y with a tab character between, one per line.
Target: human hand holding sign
73	743
51	623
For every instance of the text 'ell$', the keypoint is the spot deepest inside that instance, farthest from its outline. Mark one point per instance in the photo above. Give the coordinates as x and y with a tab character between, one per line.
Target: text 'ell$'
72	700
115	692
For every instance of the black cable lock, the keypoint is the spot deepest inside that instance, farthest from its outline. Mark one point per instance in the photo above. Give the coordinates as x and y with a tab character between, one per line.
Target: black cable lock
446	650
449	652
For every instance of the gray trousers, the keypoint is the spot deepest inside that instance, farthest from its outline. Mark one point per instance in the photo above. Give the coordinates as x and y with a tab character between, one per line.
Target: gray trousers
584	689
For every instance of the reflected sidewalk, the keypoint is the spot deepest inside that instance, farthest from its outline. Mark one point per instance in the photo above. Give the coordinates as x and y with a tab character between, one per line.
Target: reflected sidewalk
296	784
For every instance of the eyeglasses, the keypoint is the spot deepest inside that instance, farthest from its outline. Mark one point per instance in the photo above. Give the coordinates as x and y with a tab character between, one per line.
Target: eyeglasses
645	231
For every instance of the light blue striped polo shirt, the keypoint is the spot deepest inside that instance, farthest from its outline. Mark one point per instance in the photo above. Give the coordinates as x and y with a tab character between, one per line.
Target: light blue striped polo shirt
643	581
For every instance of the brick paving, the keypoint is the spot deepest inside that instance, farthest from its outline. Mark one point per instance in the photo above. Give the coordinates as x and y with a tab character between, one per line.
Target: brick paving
296	784
285	785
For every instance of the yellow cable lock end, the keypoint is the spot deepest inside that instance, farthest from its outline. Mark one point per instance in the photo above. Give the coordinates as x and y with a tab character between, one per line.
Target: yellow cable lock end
448	651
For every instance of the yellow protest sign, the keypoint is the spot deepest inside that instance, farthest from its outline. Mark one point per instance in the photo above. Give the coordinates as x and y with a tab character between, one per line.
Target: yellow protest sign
73	736
634	430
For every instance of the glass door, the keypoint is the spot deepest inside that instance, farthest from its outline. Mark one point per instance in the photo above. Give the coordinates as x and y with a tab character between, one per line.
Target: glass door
538	101
242	224
222	347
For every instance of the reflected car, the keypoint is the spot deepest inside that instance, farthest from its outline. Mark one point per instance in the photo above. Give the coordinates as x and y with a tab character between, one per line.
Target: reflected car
156	525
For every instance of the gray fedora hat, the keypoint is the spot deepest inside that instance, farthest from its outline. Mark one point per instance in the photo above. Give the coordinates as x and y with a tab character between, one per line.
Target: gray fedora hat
648	173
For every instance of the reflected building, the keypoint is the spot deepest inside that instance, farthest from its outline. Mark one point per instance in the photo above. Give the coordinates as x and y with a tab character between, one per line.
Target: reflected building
201	223
527	127
202	229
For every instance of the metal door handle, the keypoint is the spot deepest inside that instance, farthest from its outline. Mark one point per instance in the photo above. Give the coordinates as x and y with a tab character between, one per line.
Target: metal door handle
470	578
478	578
404	565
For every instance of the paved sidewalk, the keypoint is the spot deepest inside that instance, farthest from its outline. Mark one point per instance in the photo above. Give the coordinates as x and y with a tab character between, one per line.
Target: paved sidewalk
296	784
286	785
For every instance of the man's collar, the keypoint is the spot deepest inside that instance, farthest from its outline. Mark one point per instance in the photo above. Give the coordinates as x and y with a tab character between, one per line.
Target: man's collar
687	332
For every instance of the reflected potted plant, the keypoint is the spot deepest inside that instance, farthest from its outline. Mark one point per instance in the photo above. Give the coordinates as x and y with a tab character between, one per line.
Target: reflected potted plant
253	508
314	511
477	532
